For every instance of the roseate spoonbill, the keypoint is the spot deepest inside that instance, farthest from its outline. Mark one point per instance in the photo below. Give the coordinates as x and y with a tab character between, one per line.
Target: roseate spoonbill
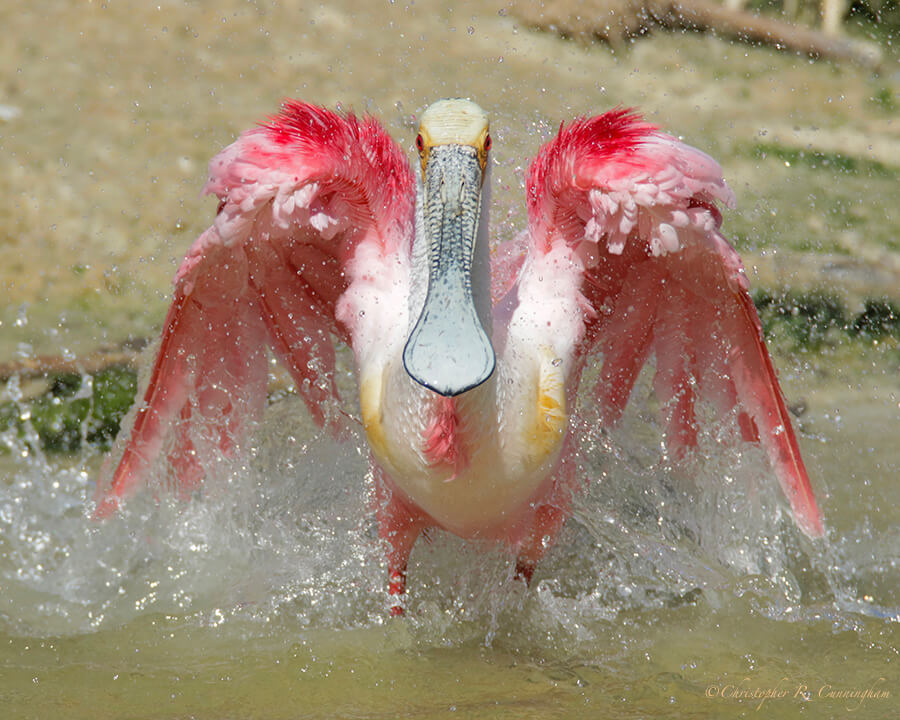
468	360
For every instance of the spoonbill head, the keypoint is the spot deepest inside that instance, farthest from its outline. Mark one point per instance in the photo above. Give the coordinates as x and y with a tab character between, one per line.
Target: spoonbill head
449	350
468	358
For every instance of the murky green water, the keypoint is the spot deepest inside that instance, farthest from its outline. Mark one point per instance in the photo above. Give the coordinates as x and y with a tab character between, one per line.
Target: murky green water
669	593
672	593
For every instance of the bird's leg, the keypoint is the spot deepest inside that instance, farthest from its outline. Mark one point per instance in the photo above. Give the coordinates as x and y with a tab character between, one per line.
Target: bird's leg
399	524
524	570
401	533
548	519
551	516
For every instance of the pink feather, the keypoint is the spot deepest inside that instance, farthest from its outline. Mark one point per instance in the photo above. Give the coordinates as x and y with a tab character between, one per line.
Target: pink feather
639	207
297	195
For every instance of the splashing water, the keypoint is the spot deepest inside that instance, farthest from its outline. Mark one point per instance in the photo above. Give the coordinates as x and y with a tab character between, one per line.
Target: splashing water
290	529
281	547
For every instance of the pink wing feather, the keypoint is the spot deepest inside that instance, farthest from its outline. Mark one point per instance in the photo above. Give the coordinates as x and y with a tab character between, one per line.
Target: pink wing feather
659	279
297	195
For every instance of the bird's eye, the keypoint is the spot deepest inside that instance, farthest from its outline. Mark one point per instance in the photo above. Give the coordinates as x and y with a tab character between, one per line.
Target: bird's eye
487	143
420	143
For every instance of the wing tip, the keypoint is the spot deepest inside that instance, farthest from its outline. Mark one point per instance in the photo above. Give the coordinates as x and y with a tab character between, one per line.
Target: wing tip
105	508
804	509
809	520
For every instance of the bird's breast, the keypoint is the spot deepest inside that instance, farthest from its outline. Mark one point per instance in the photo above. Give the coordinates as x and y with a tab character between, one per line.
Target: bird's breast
477	462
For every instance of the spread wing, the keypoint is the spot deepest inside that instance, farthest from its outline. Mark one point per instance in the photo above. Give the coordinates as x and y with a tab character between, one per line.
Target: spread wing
299	196
657	278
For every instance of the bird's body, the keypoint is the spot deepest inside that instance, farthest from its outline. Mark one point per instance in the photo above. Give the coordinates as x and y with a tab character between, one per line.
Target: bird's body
468	357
